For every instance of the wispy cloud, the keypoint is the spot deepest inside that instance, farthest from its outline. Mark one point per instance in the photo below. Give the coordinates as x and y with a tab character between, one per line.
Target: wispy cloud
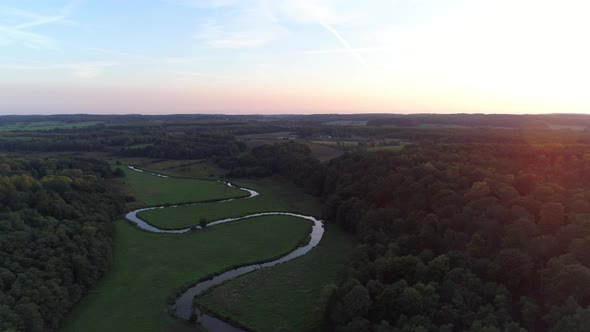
20	33
320	12
77	69
124	54
26	39
360	50
205	3
344	43
216	35
201	77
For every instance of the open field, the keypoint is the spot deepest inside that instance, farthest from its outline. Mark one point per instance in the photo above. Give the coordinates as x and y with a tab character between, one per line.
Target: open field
386	148
287	297
196	168
139	146
273	197
279	135
47	125
567	127
346	123
324	152
255	140
336	143
15	138
150	268
152	190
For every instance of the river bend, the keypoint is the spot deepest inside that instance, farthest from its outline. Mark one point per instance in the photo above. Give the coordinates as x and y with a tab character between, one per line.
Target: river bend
183	306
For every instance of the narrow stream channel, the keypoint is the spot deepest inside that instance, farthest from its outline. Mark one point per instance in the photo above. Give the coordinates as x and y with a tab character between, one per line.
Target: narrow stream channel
183	306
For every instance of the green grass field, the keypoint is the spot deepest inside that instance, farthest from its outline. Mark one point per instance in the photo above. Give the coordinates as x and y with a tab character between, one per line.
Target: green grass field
153	190
287	297
189	168
386	148
47	125
149	268
139	146
273	197
15	138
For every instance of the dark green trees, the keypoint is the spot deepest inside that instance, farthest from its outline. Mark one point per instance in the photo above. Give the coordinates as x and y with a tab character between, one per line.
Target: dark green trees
55	238
473	237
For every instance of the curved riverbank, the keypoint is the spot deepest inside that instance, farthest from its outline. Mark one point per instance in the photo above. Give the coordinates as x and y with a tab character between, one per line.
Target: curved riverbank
183	306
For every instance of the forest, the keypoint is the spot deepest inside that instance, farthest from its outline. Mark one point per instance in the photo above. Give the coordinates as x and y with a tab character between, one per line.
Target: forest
461	237
56	236
474	223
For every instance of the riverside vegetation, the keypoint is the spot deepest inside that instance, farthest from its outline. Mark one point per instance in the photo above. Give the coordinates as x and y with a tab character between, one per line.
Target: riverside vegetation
468	222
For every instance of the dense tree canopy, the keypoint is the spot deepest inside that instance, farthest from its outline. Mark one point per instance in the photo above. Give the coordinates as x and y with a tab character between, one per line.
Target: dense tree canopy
55	238
475	237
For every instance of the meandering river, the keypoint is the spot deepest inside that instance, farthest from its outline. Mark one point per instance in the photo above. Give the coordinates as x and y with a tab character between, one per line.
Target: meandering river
183	306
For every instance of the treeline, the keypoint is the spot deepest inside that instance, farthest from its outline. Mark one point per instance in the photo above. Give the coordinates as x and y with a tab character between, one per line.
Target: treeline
292	160
191	146
482	120
141	141
56	237
474	237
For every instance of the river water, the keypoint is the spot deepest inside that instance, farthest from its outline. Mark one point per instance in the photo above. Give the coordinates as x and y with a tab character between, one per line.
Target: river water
183	306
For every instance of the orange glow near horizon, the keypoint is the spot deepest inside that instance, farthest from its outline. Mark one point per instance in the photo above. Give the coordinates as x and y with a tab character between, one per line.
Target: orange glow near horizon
301	56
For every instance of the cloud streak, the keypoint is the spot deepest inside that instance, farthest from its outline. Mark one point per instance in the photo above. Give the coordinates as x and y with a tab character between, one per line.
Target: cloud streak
19	33
77	69
352	51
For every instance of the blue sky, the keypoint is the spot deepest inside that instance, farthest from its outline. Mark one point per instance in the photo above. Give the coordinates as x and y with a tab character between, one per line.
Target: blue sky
293	56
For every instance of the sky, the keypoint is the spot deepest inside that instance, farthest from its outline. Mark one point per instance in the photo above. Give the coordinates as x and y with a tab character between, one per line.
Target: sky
294	56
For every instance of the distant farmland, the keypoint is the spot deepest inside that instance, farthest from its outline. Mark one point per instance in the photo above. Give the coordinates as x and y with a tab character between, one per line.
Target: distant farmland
46	125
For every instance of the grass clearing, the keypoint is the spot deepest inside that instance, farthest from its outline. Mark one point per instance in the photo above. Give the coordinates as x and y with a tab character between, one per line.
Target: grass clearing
139	146
153	190
386	148
149	268
47	125
191	168
274	196
16	138
278	135
324	152
336	143
287	297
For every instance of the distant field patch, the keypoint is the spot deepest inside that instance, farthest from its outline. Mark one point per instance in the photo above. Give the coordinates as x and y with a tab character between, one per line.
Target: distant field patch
386	148
139	146
197	168
16	138
275	135
324	152
153	190
570	127
336	143
346	123
47	125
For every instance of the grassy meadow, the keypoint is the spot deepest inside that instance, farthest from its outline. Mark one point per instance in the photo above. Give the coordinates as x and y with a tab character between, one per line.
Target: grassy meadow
287	297
273	197
47	125
153	190
386	148
150	268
